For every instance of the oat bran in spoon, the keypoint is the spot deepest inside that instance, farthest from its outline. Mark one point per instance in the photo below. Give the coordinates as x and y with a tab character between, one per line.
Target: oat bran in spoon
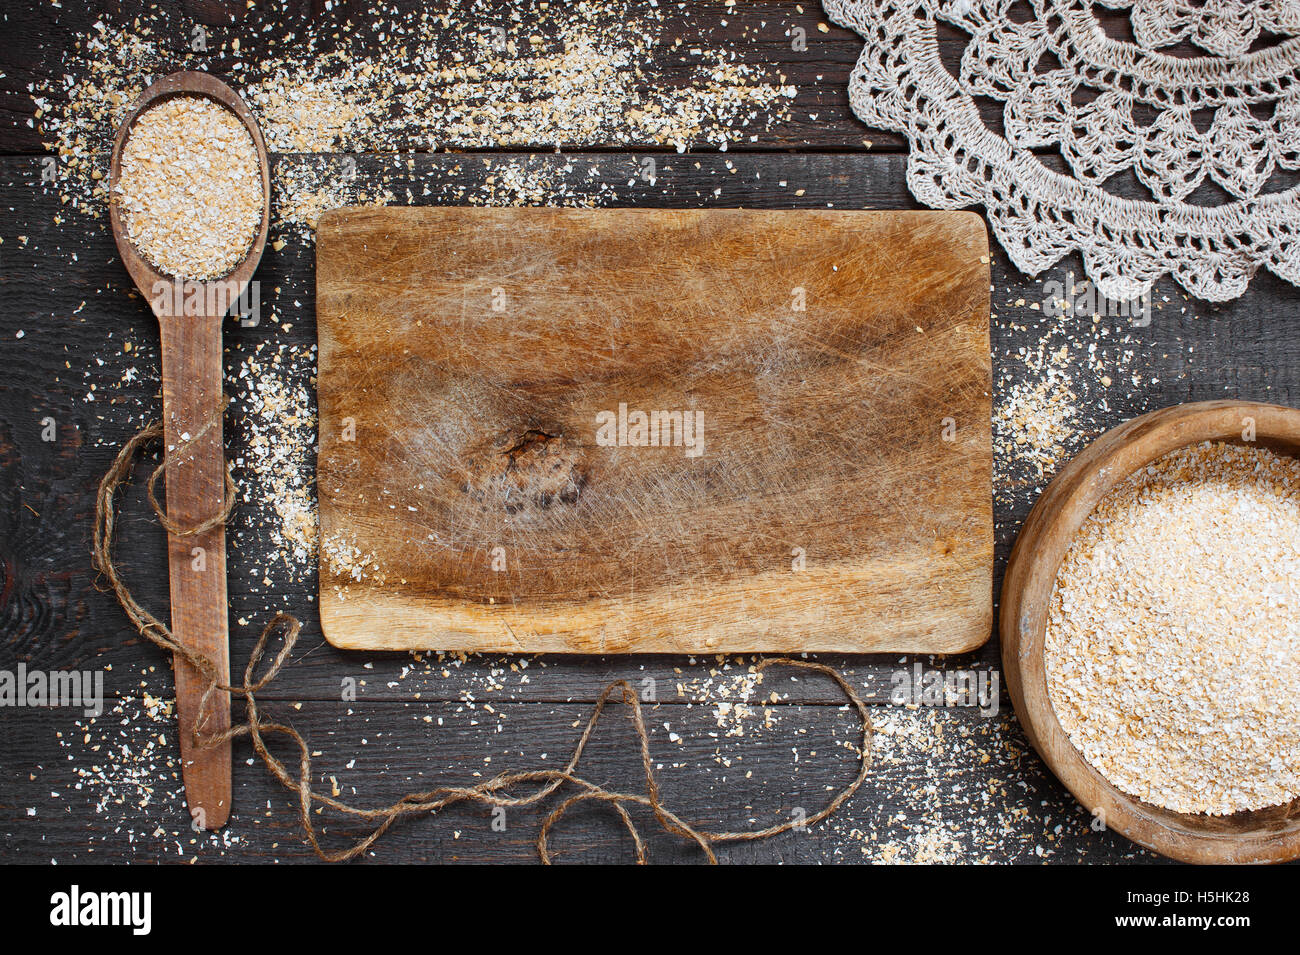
190	189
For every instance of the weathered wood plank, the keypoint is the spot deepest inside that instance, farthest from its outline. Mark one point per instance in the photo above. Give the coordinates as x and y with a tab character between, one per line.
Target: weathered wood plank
667	53
674	50
948	785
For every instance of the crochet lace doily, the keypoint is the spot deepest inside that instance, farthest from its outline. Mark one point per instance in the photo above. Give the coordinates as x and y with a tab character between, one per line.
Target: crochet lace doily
1080	106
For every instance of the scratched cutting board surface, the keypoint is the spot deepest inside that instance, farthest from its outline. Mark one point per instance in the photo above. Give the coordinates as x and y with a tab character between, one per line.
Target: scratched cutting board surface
616	431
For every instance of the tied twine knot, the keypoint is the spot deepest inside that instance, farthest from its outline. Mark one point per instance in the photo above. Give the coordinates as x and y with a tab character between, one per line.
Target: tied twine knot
496	792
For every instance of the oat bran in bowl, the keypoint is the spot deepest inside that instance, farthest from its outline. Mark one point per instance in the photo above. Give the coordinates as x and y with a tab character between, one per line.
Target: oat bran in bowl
1150	631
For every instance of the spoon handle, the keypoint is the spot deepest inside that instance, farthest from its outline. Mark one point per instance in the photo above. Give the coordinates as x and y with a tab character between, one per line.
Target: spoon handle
195	482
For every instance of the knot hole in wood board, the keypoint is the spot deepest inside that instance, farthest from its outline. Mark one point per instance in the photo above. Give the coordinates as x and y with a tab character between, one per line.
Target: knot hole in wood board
531	470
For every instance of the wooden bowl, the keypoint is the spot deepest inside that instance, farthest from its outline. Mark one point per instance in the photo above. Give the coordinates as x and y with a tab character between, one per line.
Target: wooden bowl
1265	835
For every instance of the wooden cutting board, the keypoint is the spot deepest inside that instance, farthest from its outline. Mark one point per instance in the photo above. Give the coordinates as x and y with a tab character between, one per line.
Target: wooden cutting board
618	431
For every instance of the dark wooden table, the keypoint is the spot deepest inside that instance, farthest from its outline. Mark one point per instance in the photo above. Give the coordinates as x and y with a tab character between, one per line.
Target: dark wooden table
950	783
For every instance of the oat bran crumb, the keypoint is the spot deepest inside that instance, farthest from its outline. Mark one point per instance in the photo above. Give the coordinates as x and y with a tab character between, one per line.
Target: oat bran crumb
1173	637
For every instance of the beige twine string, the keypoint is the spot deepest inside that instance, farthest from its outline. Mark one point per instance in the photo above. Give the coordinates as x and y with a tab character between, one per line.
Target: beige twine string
494	792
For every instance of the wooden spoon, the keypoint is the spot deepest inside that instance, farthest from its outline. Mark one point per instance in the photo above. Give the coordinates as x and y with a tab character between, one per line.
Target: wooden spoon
195	470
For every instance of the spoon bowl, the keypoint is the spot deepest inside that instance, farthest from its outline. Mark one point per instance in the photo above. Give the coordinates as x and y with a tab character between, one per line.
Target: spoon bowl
149	279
